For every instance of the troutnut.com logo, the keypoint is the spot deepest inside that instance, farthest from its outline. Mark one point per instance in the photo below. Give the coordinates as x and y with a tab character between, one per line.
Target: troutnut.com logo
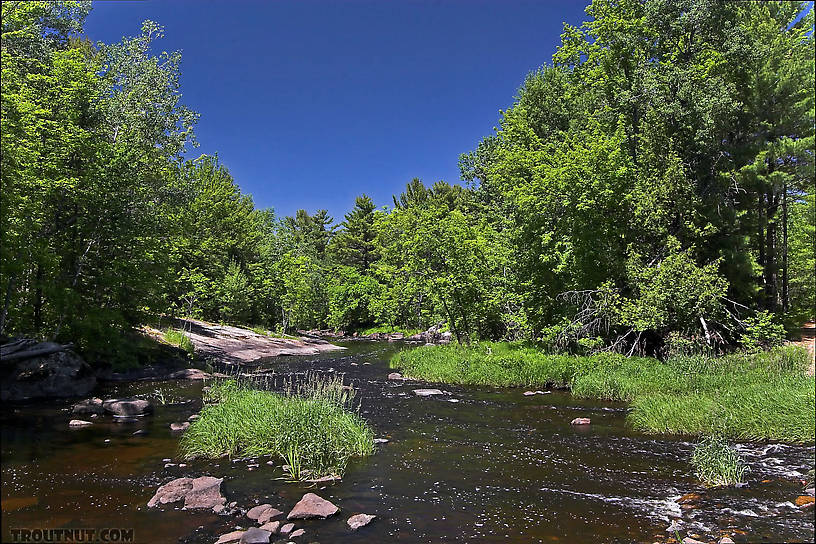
107	534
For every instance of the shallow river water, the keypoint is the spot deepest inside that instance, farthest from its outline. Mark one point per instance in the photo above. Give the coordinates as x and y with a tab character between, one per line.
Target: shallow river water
478	465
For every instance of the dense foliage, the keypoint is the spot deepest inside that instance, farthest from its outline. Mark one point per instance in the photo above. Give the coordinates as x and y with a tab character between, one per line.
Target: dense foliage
649	191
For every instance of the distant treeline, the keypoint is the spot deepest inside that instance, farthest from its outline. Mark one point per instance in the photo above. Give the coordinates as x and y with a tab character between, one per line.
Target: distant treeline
653	185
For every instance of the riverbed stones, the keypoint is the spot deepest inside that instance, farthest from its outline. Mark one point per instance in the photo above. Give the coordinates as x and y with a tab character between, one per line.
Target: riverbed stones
395	376
88	406
689	540
203	492
273	527
287	528
234	536
127	407
179	427
255	535
804	501
312	506
263	513
359	520
76	423
427	392
580	421
297	533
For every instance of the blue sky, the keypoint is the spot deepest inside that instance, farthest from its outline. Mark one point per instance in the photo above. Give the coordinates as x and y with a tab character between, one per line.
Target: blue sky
310	103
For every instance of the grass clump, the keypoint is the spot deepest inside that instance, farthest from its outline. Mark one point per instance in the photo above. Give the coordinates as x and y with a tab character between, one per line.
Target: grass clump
718	464
179	339
764	395
311	426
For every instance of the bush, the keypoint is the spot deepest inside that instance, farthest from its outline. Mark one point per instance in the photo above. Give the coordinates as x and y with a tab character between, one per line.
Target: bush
718	464
762	332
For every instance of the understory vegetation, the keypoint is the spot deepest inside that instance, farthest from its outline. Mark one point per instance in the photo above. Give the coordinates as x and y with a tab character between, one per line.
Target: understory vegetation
649	189
763	395
313	427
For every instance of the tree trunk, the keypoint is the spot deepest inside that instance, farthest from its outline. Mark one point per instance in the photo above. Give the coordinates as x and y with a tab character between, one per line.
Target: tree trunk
6	302
785	296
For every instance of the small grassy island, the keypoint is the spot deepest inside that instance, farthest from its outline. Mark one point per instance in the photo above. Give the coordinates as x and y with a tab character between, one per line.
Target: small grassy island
312	427
763	395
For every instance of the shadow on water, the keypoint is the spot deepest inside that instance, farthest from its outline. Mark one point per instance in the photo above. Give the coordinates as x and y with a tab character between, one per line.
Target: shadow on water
494	466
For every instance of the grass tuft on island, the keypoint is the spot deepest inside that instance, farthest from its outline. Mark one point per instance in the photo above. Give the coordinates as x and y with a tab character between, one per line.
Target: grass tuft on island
311	427
764	395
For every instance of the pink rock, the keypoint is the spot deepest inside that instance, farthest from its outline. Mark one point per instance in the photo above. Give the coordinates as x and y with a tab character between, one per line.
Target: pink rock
580	421
234	536
256	511
359	520
273	527
312	506
299	532
205	493
269	514
286	529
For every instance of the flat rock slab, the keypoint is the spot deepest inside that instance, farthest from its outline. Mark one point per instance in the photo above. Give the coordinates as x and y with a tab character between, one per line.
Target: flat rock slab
127	407
236	345
312	506
580	421
299	532
427	392
273	527
234	536
359	520
202	492
395	376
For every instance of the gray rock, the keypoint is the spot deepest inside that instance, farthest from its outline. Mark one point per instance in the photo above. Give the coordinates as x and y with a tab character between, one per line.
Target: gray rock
179	427
79	423
51	375
255	535
127	407
359	520
427	392
88	406
202	492
312	506
381	441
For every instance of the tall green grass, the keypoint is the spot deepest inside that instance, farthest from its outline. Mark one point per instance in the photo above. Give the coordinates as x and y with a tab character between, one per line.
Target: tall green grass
312	426
764	395
718	464
180	339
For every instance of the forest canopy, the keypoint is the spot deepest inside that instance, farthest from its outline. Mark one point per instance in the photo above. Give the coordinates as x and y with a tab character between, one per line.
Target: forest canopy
652	186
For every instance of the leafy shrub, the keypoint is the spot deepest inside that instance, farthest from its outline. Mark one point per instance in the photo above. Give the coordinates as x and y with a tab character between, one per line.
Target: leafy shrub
762	332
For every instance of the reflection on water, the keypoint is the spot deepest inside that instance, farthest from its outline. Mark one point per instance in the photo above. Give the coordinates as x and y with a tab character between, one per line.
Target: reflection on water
495	466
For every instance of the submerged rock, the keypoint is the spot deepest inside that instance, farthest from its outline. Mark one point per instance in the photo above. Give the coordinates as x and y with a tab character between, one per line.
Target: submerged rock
312	506
127	407
427	392
202	492
580	421
359	520
299	532
79	423
255	535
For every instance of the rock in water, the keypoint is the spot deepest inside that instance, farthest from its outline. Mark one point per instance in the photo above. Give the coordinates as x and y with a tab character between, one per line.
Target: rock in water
580	421
269	514
427	392
273	527
286	529
127	407
179	427
804	500
202	492
255	535
234	536
359	520
395	376
257	511
57	374
299	532
88	406
312	506
79	423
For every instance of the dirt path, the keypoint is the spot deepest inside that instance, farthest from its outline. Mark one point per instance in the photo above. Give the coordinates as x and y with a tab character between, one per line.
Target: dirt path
807	340
236	345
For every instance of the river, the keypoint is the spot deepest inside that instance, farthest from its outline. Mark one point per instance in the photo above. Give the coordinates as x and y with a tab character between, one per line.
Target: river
480	465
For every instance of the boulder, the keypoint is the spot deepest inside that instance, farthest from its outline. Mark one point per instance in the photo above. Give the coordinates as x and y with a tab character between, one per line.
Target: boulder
44	370
234	536
312	506
580	421
127	407
88	406
427	392
189	374
179	427
79	423
359	520
255	535
202	492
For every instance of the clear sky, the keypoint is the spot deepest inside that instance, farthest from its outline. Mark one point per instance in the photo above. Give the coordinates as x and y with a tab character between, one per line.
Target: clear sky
310	103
